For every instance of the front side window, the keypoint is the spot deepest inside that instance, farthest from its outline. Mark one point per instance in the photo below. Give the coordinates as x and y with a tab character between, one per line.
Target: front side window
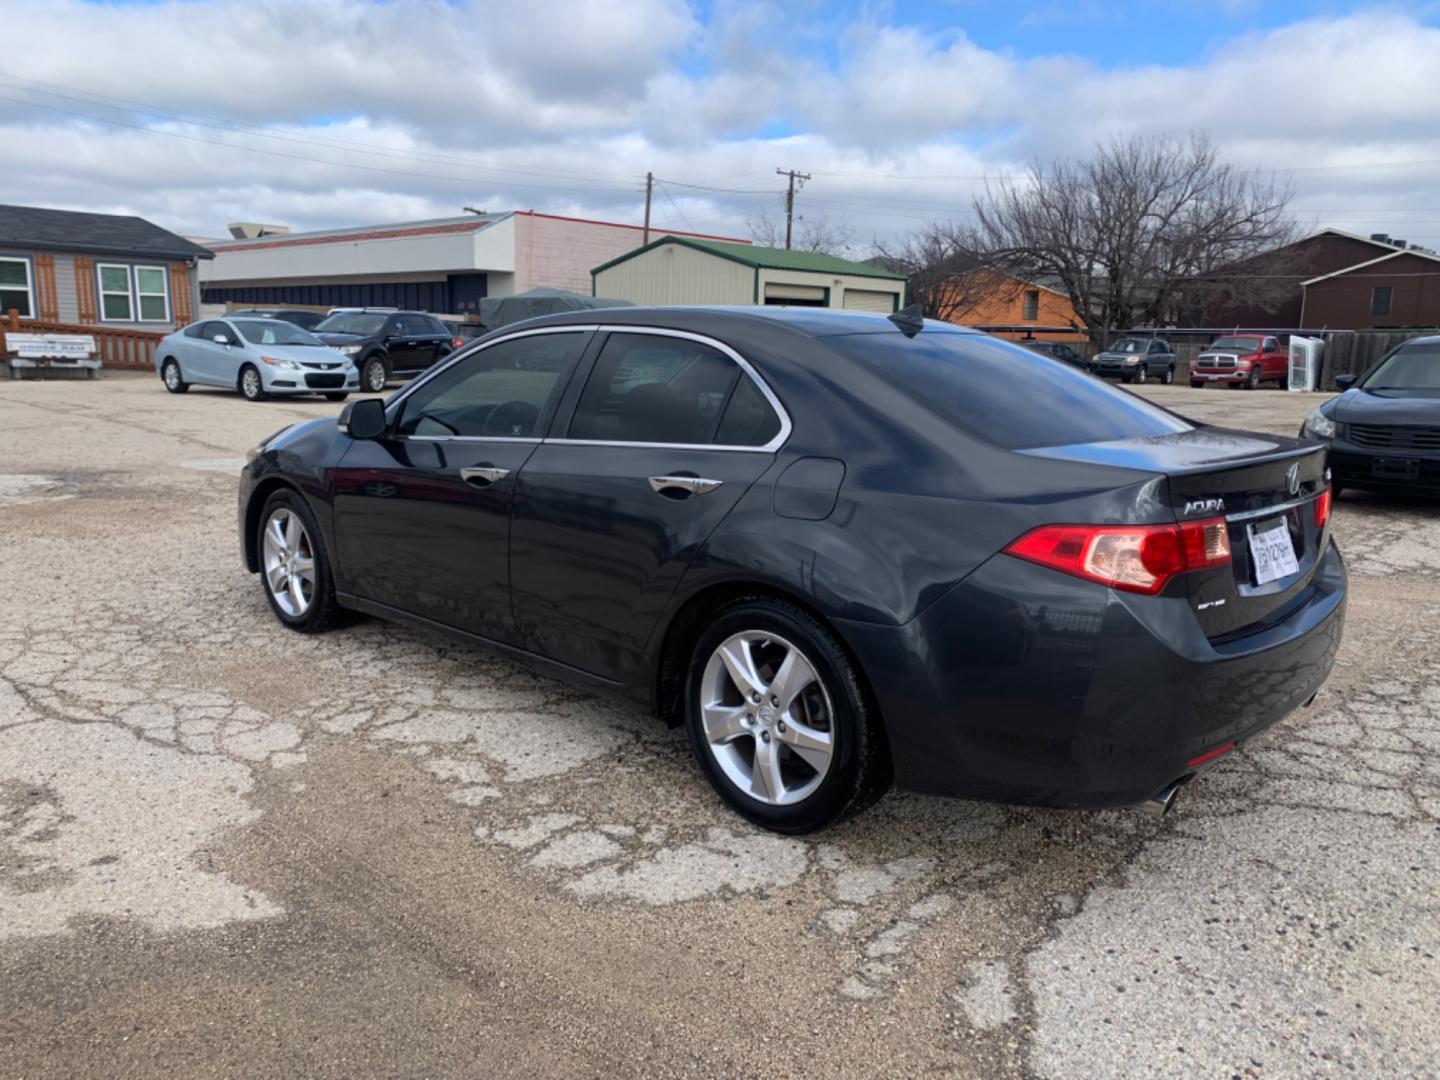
1031	310
16	291
151	294
499	392
115	293
649	388
212	330
1380	300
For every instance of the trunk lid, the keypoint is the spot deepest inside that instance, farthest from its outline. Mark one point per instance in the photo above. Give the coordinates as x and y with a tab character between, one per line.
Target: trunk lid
1247	478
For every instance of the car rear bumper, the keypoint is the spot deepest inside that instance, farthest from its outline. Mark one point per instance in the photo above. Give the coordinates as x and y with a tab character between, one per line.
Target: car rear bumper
1024	685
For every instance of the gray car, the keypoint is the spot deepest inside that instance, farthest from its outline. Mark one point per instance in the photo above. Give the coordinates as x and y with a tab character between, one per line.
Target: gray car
1137	360
256	356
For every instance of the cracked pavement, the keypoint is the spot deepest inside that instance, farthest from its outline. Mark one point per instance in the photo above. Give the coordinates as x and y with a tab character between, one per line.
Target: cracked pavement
226	848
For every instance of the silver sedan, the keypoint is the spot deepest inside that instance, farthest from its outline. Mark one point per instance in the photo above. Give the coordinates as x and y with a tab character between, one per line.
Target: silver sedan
258	357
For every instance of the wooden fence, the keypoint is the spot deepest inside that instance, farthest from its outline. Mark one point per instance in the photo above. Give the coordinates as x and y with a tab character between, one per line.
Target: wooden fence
127	350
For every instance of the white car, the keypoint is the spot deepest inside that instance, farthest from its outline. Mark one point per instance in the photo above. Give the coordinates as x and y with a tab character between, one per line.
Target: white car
258	357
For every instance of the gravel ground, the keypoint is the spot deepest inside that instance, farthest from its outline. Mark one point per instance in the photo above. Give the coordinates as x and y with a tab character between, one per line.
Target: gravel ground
227	849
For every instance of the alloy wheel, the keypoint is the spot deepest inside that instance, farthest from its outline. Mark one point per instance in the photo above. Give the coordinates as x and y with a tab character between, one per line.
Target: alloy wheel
375	376
289	562
172	375
767	718
250	383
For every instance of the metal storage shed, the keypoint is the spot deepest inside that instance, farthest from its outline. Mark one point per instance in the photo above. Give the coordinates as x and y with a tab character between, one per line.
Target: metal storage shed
680	270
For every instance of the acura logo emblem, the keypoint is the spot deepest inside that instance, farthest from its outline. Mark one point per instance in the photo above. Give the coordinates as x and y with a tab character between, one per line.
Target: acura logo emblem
1292	479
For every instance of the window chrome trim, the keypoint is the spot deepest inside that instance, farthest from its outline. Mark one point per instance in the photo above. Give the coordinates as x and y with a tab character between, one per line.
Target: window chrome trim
746	368
471	438
1271	511
572	328
470	350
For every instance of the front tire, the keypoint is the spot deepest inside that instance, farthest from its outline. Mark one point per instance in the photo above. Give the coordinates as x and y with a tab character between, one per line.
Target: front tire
172	377
1139	377
779	720
1197	384
251	388
1253	381
373	375
294	565
336	397
1168	377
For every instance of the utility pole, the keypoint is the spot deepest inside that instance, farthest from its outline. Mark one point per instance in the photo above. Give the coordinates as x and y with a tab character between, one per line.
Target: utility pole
790	198
649	187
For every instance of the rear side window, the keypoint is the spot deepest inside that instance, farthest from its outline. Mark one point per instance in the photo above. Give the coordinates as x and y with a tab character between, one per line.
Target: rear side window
499	392
648	388
749	419
1003	393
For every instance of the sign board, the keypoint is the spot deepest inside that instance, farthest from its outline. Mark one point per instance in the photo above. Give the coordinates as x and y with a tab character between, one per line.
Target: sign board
50	346
1305	362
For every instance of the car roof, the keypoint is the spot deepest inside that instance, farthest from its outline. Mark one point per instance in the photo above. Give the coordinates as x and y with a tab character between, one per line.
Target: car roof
811	322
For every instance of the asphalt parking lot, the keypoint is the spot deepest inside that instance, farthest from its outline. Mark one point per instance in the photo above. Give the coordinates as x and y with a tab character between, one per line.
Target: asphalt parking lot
229	849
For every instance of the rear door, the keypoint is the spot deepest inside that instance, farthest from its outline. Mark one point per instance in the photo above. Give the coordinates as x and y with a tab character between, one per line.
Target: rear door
422	517
666	433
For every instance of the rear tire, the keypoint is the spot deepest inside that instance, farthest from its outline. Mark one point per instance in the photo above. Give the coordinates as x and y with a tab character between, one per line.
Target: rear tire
251	388
373	376
172	377
747	745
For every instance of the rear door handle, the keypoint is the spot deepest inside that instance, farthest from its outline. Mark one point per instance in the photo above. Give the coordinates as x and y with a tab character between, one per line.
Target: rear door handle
691	485
481	475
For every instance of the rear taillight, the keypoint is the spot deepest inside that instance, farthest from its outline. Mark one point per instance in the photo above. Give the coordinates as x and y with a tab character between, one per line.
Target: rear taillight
1322	508
1137	558
456	342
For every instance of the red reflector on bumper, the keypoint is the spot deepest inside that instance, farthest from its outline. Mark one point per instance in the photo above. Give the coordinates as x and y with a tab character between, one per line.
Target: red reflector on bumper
1195	763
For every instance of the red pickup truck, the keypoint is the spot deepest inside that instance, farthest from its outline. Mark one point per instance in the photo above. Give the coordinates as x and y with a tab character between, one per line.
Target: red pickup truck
1241	360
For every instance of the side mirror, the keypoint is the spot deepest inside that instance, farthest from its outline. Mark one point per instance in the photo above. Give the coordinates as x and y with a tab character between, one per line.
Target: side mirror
1344	382
220	339
363	419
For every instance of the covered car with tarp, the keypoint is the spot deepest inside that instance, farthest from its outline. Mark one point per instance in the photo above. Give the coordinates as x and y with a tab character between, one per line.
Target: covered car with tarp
503	310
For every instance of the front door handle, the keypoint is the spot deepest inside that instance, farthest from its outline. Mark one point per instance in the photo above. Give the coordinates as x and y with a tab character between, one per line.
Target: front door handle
481	475
691	485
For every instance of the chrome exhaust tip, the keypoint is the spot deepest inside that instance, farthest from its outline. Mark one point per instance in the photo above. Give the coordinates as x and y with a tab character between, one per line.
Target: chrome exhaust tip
1159	805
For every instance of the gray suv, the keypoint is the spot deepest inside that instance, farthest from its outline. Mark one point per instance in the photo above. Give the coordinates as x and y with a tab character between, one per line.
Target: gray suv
1136	359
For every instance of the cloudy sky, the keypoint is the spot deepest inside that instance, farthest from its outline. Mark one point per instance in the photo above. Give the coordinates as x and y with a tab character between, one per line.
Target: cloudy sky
323	113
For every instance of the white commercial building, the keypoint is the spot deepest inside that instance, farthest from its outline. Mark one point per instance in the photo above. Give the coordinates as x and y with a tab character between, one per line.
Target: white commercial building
444	265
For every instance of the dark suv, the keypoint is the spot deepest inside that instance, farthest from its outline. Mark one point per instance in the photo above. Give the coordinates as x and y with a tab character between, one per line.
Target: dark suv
1134	360
306	320
384	344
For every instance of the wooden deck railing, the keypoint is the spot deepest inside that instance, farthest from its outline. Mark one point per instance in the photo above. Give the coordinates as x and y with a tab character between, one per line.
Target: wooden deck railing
130	350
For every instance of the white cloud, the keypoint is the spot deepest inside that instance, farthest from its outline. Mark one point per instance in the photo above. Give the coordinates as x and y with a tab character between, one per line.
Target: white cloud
565	105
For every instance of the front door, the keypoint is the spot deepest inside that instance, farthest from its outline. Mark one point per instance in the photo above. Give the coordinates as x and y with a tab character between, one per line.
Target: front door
666	436
422	516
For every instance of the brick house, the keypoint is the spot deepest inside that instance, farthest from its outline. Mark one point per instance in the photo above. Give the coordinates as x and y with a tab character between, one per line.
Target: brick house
1009	306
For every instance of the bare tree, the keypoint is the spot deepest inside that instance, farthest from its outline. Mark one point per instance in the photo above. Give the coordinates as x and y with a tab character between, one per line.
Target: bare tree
1143	230
940	261
810	234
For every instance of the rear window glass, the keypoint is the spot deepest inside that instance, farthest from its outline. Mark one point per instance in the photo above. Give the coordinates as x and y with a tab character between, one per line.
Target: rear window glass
1005	394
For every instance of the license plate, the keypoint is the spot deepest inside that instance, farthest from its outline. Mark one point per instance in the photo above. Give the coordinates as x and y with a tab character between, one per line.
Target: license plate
1394	469
1272	550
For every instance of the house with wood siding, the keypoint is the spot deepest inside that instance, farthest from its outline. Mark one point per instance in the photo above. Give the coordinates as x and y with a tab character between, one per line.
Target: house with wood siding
66	269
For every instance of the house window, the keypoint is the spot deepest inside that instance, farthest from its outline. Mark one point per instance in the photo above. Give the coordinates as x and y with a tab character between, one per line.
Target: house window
1031	311
115	293
151	294
1380	300
133	293
16	290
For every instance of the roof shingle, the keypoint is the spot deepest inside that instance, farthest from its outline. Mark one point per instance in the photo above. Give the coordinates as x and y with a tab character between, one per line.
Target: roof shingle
109	234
